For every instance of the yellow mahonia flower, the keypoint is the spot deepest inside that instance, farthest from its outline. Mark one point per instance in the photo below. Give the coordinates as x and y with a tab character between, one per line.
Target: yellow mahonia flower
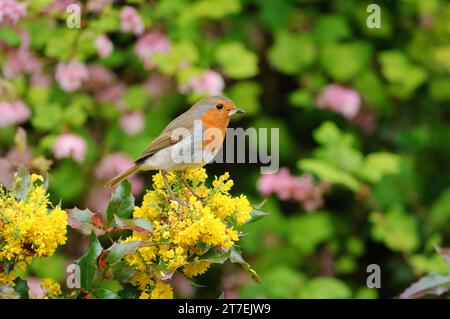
8	278
186	229
196	268
50	287
161	291
29	226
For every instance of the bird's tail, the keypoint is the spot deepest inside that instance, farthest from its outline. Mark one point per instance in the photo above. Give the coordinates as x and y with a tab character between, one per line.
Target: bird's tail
124	175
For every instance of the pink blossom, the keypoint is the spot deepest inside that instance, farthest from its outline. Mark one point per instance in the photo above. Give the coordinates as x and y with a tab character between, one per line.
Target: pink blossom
111	94
301	189
99	77
34	287
59	5
70	146
12	113
339	99
98	199
132	122
21	60
6	172
113	164
130	21
70	75
104	46
40	79
11	12
97	5
149	44
209	82
157	85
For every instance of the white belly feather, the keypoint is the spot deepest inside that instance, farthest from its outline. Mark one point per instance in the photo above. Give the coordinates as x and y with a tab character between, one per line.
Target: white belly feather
185	154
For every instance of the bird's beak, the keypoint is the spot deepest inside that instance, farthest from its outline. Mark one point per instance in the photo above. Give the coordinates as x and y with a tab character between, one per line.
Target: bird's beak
235	110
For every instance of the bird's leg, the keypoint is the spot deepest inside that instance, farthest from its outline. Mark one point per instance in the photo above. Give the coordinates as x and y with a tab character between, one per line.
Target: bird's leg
185	183
164	176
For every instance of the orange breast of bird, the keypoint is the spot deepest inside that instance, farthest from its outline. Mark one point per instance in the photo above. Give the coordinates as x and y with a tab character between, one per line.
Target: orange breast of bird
218	122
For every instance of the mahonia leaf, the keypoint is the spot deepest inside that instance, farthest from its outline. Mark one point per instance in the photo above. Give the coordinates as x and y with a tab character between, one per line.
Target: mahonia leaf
139	225
235	257
213	256
433	284
85	221
22	183
118	250
122	272
128	291
256	215
102	293
21	288
121	204
88	262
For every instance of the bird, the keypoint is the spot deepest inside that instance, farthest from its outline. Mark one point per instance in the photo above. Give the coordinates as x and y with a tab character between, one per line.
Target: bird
190	141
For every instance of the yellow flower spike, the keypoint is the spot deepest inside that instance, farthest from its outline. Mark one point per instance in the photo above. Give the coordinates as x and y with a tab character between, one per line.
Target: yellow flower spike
30	227
50	287
196	268
161	291
170	254
174	205
182	233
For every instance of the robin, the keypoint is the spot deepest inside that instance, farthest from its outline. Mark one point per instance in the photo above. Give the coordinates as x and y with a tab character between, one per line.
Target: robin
190	141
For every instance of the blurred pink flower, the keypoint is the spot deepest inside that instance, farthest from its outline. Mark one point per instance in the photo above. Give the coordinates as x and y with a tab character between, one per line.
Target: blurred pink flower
132	122
157	85
99	77
130	21
59	5
70	75
21	60
12	113
113	164
40	79
98	199
70	146
209	82
6	172
34	287
150	43
111	94
11	12
339	99
301	189
97	5
104	46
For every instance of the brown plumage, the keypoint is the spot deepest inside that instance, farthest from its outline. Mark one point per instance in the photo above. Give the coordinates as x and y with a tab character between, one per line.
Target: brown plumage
214	112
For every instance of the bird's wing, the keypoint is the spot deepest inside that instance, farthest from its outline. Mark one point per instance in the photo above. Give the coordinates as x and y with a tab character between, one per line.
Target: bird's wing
165	138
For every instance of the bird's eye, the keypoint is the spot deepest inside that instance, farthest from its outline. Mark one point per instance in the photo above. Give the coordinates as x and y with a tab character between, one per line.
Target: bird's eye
219	106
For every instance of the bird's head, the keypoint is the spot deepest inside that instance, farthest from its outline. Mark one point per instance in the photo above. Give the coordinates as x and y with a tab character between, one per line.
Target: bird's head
218	107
